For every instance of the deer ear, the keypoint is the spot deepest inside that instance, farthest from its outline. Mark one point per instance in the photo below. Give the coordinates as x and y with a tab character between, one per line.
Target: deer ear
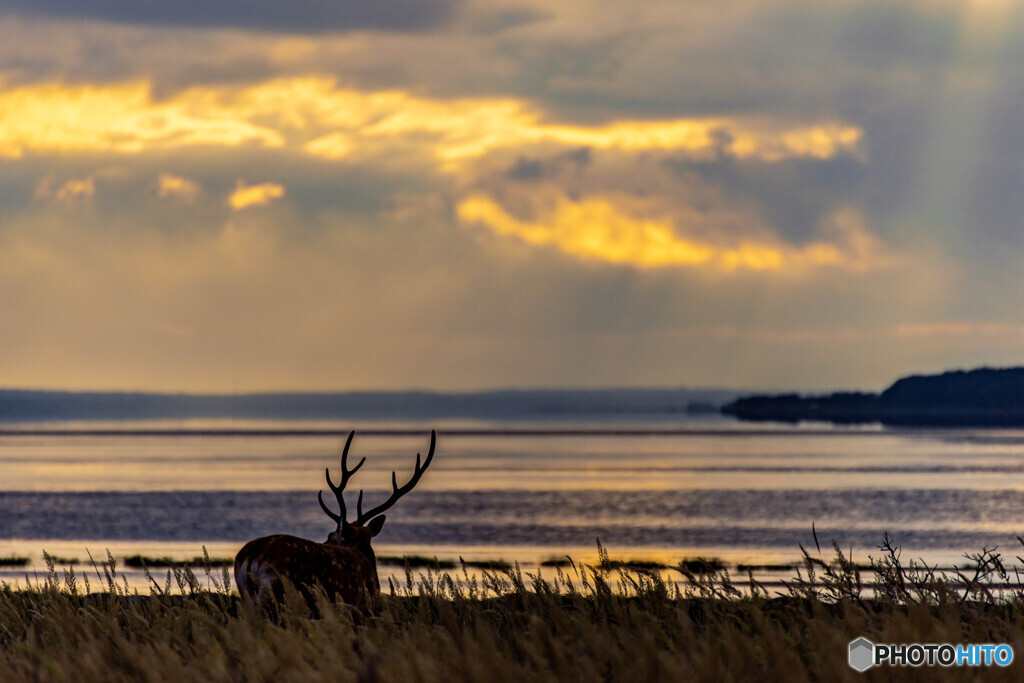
376	524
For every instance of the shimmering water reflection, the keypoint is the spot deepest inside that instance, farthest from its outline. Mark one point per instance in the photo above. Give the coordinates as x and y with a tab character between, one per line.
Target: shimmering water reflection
746	495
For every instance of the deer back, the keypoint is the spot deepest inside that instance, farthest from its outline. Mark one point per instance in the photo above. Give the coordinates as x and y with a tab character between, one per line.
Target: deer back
348	571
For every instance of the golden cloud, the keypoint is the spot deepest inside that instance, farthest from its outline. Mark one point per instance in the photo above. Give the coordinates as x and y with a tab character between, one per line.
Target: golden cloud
596	229
315	116
764	142
458	130
121	118
245	196
170	185
75	189
70	191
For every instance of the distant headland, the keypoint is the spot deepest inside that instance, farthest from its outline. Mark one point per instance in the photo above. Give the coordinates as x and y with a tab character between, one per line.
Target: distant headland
984	397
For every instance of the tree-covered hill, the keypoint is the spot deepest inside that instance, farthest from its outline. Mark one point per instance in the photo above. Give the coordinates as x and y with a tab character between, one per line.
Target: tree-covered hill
980	397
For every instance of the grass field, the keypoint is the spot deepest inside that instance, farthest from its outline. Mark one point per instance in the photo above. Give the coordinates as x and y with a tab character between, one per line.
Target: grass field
576	623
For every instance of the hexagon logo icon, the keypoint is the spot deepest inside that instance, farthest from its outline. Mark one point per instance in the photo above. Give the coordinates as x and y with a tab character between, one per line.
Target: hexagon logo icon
862	654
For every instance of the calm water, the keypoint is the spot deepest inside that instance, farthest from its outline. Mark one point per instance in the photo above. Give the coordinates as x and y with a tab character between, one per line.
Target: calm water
494	491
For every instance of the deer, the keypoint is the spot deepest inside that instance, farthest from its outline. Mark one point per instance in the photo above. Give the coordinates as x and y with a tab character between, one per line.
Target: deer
344	565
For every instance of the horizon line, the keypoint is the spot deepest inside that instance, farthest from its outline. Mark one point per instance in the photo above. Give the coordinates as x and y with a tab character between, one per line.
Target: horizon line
357	392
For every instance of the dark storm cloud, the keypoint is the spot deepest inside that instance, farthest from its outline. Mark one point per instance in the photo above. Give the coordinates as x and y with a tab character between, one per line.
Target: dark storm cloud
793	195
760	57
529	168
878	36
291	16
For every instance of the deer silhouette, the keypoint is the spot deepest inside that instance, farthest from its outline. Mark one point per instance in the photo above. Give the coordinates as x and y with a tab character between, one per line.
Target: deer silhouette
344	565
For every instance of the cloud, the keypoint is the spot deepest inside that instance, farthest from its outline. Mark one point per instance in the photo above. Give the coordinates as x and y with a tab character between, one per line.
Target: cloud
295	16
75	190
122	119
173	186
596	229
246	196
737	138
315	116
69	191
135	291
744	183
466	129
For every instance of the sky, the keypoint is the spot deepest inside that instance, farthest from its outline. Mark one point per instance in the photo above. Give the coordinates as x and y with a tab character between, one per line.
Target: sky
457	195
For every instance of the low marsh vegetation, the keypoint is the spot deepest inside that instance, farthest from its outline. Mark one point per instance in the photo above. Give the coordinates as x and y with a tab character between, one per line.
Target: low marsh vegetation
14	561
141	561
573	622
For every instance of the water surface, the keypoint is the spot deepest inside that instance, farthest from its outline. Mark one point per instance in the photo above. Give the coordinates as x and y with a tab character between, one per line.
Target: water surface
520	492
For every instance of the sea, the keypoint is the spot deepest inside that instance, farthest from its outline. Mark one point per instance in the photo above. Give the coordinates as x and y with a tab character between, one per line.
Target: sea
658	490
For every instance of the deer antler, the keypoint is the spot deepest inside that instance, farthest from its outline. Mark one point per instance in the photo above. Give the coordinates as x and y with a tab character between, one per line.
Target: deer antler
397	491
341	519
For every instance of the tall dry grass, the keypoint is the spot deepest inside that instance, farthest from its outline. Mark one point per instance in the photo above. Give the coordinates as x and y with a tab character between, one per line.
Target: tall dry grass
583	623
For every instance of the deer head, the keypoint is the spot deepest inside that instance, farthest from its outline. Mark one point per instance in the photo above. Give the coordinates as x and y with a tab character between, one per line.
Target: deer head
343	565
